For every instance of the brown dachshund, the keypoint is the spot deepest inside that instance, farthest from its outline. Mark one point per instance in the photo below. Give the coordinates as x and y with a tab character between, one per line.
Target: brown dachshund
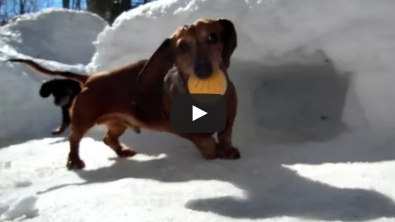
138	95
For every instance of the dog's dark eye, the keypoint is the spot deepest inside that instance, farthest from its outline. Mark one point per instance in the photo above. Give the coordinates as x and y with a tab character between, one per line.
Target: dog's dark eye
213	38
184	47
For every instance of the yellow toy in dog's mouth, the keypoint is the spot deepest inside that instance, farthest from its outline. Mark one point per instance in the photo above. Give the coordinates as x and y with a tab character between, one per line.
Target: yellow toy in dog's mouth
215	84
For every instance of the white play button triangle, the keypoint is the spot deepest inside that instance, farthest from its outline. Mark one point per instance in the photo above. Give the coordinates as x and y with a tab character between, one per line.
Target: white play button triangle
197	113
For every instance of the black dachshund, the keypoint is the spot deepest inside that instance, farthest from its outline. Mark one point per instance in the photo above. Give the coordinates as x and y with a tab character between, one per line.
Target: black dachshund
64	91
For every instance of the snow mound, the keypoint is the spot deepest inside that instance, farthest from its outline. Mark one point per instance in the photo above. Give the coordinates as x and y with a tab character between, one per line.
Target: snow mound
24	207
62	36
303	69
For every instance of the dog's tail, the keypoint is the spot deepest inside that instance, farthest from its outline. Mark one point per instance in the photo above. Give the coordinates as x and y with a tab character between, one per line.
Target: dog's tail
74	76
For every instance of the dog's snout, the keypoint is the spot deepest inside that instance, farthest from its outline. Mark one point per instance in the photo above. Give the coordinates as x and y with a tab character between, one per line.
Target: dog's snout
203	69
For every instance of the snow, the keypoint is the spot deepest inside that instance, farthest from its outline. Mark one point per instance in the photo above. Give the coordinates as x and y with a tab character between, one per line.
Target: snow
349	178
315	123
58	37
23	208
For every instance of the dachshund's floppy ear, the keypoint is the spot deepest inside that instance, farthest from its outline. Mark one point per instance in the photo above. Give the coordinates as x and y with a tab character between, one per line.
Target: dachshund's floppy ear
156	68
229	38
46	89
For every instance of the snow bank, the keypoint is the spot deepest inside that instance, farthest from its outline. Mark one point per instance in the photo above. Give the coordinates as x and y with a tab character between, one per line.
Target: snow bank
305	68
58	35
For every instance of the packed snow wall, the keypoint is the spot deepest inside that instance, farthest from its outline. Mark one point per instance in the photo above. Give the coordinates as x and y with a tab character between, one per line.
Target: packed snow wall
304	69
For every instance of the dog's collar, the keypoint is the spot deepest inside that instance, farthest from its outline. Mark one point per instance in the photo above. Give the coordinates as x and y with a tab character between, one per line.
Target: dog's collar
181	82
175	82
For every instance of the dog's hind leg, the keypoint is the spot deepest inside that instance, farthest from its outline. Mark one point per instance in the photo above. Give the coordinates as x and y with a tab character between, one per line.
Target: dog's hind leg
115	129
81	122
74	161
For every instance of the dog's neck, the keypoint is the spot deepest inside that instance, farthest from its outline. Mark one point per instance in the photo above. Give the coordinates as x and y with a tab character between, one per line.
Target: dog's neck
173	83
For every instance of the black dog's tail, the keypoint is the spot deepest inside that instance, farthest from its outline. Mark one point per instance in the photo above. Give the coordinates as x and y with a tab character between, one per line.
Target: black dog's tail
74	76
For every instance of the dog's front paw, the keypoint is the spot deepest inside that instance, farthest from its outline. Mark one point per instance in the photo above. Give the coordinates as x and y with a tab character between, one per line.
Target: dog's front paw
228	153
126	152
75	164
57	131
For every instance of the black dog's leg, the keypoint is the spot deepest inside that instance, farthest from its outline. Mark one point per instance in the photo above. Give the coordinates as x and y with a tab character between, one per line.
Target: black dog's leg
65	122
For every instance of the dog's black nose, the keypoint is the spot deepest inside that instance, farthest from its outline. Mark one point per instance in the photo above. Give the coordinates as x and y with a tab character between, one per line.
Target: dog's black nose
203	69
56	101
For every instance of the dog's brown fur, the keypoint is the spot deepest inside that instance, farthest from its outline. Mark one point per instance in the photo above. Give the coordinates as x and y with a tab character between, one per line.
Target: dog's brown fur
138	95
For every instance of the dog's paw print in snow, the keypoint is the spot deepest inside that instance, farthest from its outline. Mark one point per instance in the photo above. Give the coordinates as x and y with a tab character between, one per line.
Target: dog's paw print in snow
21	180
5	165
23	183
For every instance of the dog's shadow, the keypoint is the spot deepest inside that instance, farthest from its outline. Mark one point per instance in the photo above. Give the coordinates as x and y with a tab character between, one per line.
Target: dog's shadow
271	189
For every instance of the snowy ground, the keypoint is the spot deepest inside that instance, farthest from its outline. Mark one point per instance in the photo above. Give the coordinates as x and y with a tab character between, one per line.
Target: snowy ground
349	178
315	125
